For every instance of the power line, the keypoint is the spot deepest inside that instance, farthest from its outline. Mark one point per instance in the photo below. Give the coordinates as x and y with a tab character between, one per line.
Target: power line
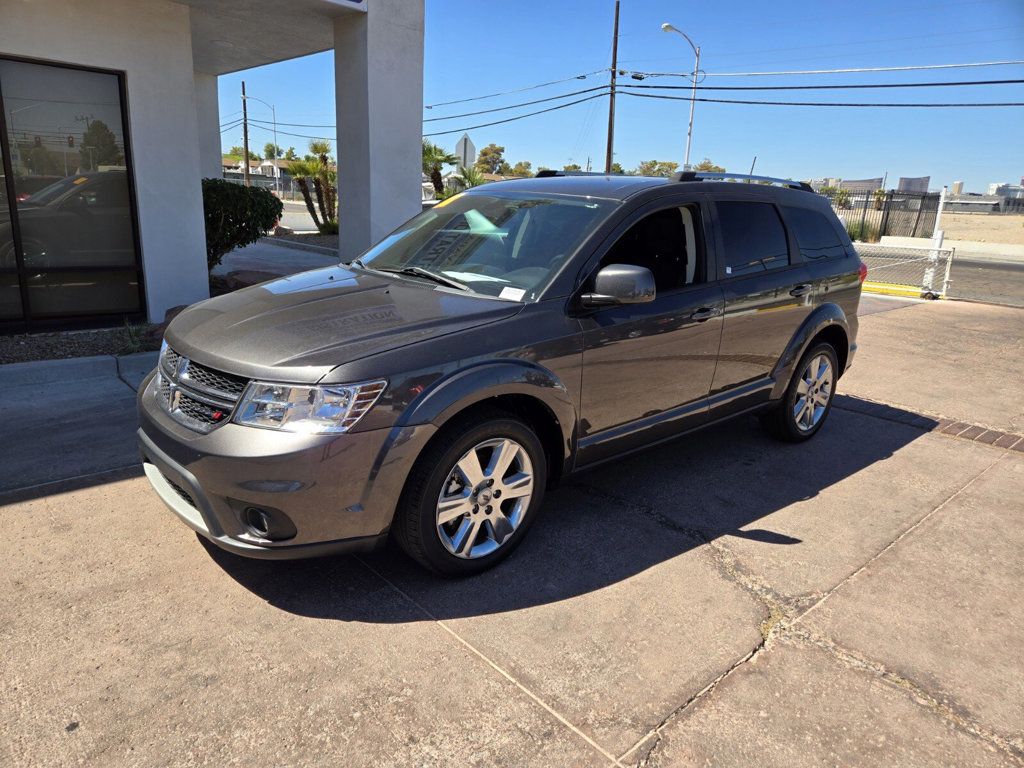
516	90
826	87
520	117
832	71
827	103
514	106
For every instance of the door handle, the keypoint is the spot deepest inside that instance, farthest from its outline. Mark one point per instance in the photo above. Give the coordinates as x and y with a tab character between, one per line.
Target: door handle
802	290
705	313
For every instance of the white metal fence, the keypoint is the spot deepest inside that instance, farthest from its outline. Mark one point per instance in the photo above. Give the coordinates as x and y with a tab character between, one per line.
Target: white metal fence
907	270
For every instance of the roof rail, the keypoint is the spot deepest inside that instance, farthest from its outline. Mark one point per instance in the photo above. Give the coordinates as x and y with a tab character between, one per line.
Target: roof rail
712	175
547	173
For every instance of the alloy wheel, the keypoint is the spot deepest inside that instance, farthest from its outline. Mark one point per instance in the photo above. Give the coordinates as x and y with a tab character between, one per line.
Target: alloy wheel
484	498
813	391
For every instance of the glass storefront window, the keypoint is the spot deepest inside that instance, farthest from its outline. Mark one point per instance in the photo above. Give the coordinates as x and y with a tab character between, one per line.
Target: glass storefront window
72	246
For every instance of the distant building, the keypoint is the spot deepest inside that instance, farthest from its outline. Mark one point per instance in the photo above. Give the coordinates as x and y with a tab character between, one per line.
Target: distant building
957	188
861	185
1007	189
913	183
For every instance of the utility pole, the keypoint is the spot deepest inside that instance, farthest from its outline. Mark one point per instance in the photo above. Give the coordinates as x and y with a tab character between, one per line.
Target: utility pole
752	165
245	139
609	155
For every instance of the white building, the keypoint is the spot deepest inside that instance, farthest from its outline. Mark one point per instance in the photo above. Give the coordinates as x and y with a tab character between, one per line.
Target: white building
109	120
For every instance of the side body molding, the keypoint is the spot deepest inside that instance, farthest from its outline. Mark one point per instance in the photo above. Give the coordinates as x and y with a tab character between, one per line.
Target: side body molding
466	387
822	317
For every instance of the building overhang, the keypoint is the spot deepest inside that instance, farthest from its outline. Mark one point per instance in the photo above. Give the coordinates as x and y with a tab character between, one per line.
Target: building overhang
231	35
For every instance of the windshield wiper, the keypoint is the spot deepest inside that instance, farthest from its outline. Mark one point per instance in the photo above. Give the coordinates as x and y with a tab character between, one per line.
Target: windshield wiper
437	278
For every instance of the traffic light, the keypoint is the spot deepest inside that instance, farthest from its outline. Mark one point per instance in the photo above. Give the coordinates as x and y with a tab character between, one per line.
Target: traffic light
71	141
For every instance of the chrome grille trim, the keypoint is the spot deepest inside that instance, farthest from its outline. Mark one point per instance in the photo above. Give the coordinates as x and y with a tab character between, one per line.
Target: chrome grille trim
193	394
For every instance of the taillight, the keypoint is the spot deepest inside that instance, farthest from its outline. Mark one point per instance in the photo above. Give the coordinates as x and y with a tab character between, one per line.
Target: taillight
863	271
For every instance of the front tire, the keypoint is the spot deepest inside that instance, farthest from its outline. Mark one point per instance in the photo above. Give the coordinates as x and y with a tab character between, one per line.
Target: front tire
808	399
472	494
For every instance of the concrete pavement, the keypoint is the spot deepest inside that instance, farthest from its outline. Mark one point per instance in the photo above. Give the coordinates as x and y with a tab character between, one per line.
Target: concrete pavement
725	600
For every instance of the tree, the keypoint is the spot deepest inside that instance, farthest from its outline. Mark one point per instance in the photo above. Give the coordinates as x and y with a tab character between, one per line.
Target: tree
238	152
434	159
522	168
490	159
656	168
271	150
708	166
572	167
99	147
317	170
504	168
236	216
617	168
290	154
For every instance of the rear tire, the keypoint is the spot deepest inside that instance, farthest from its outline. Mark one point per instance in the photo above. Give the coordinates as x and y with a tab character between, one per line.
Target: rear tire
808	399
472	494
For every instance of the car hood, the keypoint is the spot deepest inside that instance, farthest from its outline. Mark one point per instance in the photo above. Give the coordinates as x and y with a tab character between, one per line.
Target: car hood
298	328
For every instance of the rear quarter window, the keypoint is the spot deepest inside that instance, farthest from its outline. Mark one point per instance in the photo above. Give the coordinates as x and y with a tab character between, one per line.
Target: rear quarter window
815	235
753	237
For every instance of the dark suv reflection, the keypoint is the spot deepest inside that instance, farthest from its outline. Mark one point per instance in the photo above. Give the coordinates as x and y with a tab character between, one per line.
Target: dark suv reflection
82	220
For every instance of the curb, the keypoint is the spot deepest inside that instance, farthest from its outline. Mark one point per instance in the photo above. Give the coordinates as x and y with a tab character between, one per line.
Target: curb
299	246
74	369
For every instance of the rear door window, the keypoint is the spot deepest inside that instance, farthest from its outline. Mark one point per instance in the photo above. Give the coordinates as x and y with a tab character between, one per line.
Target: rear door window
753	237
815	235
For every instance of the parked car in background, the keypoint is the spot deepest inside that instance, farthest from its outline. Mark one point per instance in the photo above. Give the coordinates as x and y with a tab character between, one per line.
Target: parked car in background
433	388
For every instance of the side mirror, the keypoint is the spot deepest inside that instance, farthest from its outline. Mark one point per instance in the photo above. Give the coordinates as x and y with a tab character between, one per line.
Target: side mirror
620	284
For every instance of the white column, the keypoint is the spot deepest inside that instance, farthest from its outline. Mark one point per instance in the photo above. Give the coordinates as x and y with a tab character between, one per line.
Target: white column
208	121
378	75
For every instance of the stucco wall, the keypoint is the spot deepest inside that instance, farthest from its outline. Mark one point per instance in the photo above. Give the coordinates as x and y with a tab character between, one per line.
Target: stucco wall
150	41
378	75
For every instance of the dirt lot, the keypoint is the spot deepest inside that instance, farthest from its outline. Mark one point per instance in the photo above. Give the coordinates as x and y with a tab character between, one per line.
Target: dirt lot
986	229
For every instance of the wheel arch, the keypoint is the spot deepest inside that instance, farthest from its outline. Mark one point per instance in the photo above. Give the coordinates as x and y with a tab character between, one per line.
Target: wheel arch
522	389
826	323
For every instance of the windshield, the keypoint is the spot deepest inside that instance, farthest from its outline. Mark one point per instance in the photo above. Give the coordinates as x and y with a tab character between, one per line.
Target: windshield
503	245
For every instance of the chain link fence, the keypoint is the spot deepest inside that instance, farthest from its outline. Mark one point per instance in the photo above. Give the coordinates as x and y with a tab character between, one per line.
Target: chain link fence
906	270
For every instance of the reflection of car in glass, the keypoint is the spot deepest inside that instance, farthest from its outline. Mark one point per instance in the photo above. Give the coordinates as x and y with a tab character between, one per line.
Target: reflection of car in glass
433	388
81	220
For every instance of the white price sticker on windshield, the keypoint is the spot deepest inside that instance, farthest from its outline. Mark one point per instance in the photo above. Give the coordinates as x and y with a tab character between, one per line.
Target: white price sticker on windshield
516	294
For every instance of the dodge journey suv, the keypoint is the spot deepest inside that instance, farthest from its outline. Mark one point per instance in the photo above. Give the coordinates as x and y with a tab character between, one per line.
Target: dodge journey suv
433	388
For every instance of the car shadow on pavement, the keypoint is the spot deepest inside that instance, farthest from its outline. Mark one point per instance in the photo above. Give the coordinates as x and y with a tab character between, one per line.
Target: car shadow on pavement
604	526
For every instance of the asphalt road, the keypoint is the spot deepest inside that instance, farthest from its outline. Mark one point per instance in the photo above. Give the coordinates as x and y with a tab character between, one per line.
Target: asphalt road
996	282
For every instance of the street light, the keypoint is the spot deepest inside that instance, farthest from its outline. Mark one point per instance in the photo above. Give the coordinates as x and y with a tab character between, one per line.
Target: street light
277	169
666	27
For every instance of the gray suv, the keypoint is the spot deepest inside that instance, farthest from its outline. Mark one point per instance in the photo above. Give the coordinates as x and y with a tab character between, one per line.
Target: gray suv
432	389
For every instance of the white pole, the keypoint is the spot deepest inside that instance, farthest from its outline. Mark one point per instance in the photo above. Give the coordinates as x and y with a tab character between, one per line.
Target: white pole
933	257
693	97
277	166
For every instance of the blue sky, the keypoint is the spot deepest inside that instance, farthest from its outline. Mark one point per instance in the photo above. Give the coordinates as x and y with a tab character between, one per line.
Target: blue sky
475	48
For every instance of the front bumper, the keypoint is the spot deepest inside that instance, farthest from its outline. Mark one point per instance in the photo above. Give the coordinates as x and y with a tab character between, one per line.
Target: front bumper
338	491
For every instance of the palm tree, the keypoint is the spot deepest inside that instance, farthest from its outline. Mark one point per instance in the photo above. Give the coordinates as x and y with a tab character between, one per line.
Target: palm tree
317	169
434	158
471	177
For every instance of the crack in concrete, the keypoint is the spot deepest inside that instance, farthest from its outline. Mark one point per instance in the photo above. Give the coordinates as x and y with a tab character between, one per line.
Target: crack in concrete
1013	748
784	613
774	604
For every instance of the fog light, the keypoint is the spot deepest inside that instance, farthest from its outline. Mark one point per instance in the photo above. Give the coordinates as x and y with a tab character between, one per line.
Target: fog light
269	524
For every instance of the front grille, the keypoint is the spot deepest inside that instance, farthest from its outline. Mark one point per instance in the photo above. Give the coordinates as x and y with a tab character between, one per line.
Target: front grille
194	395
214	381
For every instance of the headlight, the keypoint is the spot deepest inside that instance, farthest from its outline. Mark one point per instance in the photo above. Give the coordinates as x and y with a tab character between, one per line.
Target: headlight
314	410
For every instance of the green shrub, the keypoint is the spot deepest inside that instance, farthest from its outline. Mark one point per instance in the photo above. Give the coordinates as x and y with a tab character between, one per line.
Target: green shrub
236	216
865	231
